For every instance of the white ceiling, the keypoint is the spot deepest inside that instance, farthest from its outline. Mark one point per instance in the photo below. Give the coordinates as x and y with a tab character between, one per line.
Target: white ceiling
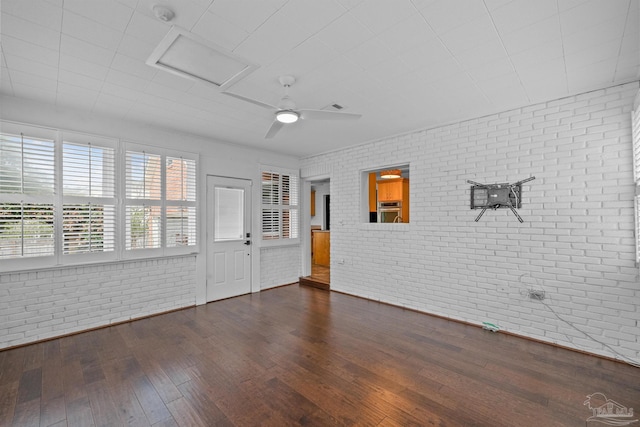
403	64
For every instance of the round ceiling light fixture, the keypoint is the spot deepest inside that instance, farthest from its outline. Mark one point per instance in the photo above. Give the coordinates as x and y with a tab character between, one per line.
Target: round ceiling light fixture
391	173
287	116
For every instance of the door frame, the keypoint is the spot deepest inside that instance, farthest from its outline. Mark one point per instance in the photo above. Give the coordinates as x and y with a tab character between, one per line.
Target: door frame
305	226
255	247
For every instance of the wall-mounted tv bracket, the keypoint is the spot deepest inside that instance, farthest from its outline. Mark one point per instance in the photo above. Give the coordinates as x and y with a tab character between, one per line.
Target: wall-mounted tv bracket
494	196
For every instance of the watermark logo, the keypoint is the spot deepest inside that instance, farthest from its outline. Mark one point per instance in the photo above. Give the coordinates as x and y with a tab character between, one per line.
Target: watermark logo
607	411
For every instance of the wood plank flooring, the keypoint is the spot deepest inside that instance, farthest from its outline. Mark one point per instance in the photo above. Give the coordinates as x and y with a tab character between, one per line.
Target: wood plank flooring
302	356
320	277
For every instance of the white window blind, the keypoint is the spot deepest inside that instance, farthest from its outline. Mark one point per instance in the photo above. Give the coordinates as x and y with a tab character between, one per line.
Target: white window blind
181	201
26	230
88	186
88	170
144	176
143	213
290	209
161	200
280	210
68	198
28	165
143	227
27	187
635	120
88	228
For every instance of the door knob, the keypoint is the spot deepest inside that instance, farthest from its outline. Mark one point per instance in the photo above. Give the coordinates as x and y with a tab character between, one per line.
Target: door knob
248	242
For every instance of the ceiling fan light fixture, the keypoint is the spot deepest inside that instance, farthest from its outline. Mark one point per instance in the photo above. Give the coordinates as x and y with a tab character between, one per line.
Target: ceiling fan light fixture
287	116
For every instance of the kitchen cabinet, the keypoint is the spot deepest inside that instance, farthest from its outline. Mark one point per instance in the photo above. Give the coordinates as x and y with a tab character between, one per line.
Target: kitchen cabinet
313	203
320	239
394	193
393	190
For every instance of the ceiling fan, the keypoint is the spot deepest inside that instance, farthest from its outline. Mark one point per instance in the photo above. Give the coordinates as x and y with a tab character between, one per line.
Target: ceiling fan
286	111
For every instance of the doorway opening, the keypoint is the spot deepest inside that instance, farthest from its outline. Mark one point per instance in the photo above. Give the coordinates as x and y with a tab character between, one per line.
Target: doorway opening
320	236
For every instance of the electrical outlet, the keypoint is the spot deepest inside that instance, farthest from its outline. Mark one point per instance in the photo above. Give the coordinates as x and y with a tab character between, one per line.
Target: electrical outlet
536	294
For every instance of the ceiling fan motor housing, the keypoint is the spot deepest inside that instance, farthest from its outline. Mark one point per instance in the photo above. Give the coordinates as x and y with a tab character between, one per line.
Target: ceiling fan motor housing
287	103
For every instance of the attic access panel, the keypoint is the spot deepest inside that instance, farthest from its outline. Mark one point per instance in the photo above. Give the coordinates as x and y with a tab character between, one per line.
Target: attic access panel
184	54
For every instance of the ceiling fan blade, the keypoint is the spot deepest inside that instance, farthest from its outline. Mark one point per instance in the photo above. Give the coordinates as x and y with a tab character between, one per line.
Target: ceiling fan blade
275	127
328	115
253	101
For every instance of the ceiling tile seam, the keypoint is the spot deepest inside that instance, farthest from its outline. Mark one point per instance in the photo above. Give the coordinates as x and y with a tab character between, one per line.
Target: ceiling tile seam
311	36
564	55
624	30
455	58
86	42
59	53
257	28
33	22
97	24
13	93
345	11
114	28
247	34
195	24
29	43
100	92
28	40
513	67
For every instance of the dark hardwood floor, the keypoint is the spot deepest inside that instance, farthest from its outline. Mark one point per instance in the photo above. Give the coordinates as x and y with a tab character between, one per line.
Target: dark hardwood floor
320	277
302	356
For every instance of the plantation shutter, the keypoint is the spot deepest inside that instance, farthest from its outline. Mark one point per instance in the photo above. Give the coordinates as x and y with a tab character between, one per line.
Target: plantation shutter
88	186
280	210
143	213
181	201
69	198
270	200
635	120
27	187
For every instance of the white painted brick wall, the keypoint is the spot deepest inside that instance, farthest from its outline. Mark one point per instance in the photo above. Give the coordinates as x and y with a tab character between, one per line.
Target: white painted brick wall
279	266
577	241
50	303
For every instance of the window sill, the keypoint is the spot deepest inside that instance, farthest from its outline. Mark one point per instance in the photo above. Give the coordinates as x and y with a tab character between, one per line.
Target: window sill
375	226
50	267
279	243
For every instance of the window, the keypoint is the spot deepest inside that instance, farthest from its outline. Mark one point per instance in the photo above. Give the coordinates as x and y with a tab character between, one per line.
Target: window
27	186
143	210
280	219
62	201
386	195
228	214
89	203
181	202
160	201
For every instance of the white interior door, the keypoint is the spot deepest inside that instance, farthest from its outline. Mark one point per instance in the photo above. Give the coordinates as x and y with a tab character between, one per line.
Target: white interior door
228	237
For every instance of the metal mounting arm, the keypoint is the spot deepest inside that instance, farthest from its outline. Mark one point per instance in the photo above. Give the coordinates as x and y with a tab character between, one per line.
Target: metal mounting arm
499	195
